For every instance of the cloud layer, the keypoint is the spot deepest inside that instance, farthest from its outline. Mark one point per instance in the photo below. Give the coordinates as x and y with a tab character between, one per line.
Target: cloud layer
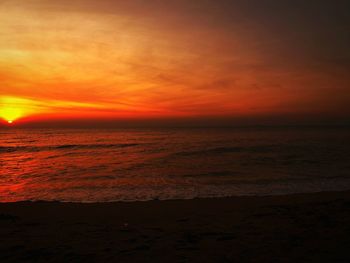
144	59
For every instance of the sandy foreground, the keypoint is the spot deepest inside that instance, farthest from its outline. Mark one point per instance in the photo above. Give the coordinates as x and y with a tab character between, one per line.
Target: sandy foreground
294	228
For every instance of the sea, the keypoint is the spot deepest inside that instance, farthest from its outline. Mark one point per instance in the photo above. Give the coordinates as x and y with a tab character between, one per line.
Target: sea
105	165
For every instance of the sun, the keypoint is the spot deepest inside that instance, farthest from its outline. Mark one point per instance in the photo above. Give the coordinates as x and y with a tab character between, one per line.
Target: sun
12	108
10	114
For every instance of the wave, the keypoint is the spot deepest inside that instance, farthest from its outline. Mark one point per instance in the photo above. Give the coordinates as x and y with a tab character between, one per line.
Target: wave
221	150
9	149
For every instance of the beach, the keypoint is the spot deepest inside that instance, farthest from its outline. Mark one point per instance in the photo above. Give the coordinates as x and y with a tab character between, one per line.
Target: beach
292	228
174	131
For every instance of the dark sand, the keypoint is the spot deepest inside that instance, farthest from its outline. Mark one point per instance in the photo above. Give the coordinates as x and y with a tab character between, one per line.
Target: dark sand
295	228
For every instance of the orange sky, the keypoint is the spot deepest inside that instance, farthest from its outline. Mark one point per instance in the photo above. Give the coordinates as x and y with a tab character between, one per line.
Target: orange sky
164	59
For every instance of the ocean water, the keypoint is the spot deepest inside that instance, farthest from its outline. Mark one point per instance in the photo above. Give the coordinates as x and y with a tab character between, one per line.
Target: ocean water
143	164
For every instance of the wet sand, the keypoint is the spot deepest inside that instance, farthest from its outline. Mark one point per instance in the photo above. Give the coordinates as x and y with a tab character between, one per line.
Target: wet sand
294	228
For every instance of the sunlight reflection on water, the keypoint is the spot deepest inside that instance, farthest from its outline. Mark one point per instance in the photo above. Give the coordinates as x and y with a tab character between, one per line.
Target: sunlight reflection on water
109	165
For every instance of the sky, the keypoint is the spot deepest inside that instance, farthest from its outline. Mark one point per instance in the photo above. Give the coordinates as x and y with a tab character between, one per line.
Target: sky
211	61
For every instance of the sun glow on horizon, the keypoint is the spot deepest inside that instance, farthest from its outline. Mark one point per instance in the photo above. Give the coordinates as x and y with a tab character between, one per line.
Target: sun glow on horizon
13	108
10	114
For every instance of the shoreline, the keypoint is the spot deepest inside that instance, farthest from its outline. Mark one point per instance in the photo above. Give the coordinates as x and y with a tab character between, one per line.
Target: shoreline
320	193
310	227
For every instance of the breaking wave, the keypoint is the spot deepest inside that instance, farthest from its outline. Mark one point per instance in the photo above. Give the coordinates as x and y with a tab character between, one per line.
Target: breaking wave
7	149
